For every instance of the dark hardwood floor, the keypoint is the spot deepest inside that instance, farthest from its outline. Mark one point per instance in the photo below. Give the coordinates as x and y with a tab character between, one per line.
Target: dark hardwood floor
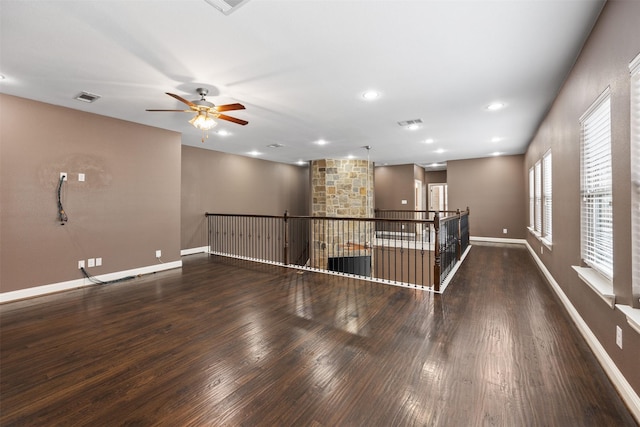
231	343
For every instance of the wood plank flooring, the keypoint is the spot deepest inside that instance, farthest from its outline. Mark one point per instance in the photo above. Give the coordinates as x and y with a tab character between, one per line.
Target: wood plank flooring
231	343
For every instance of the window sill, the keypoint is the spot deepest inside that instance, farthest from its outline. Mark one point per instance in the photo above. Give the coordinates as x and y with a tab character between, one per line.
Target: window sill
541	239
602	286
633	316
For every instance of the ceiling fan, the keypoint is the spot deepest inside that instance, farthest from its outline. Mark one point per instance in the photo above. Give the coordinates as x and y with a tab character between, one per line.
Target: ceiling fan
206	111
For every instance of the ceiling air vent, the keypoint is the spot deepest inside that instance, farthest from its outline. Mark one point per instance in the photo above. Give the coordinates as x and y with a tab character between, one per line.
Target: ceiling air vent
87	97
275	145
226	6
410	122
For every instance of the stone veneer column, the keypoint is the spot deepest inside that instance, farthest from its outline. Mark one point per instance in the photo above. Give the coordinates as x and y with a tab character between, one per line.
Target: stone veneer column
340	188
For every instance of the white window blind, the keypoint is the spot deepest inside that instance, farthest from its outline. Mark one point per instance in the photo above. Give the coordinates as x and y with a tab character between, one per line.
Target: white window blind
596	188
531	199
546	197
538	190
635	174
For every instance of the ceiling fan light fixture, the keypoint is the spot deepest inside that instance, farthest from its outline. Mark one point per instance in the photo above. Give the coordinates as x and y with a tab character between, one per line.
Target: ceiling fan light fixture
203	121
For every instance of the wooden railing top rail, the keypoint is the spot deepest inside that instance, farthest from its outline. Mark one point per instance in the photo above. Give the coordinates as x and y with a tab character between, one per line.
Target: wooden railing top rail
450	214
411	211
457	211
328	218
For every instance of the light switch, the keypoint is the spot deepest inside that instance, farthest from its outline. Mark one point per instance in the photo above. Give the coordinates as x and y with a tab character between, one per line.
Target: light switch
81	177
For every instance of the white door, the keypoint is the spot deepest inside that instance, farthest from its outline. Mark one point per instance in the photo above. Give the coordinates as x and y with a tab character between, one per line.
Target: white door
437	197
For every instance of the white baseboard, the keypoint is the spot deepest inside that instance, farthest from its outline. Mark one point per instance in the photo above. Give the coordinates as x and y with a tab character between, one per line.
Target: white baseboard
79	283
625	390
497	240
192	251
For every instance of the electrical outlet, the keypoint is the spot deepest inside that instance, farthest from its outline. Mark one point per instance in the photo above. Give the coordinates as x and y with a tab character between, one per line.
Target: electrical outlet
63	175
158	253
619	336
504	231
98	262
91	262
81	177
80	264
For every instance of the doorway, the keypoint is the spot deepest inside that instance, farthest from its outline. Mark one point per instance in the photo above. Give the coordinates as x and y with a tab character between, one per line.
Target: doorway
438	197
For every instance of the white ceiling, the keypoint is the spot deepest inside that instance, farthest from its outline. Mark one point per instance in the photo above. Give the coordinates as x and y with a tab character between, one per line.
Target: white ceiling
300	68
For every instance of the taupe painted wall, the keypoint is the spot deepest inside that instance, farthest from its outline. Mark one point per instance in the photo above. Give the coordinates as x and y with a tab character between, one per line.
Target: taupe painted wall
225	183
392	184
604	61
435	177
128	207
494	189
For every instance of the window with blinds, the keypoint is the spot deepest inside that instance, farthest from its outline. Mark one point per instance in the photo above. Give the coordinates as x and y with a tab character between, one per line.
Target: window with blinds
596	187
635	175
546	198
531	199
538	193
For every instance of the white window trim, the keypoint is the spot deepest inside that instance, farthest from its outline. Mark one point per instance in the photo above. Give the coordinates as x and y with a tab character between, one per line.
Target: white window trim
532	215
547	239
596	281
634	71
538	198
632	315
604	96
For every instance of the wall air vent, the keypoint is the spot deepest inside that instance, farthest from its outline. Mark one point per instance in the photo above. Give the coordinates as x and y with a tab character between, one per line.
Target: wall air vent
87	97
410	122
226	6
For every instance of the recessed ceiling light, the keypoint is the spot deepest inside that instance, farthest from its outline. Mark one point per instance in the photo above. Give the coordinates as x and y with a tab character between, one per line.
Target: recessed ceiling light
370	95
321	142
254	153
428	141
440	150
223	132
495	106
496	139
413	126
301	162
496	153
351	156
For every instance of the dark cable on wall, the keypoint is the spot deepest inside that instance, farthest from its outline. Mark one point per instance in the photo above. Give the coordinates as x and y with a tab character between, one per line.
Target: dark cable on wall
62	215
100	282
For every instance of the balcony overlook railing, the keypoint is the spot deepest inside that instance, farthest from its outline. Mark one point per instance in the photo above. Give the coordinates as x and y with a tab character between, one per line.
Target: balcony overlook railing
409	249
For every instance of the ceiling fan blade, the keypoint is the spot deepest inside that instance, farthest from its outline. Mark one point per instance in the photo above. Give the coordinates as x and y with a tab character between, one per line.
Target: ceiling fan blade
232	119
178	111
181	99
229	107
